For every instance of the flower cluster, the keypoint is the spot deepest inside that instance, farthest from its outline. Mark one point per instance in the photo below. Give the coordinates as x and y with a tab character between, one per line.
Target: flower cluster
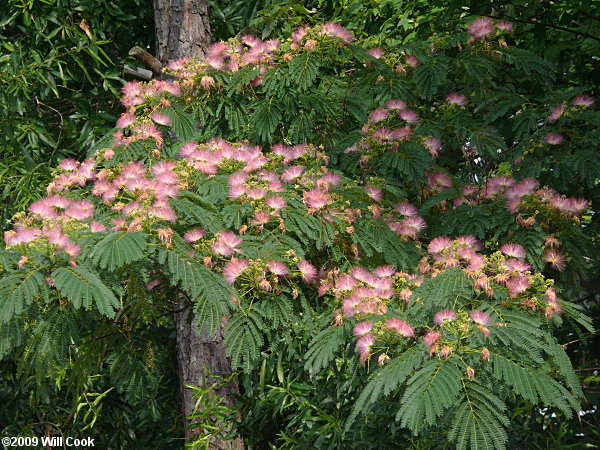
483	27
376	299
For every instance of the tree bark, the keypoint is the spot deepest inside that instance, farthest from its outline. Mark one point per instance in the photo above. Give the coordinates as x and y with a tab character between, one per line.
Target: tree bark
195	356
183	30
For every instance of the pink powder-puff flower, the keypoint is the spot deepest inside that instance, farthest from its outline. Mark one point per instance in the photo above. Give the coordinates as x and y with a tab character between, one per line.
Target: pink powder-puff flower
456	99
412	61
207	82
446	315
518	284
125	120
260	219
362	274
68	165
480	317
513	250
377	115
291	173
234	269
375	193
132	88
161	118
439	181
226	244
555	258
503	25
375	52
397	105
406	209
23	236
97	227
406	294
236	190
400	327
300	34
308	271
384	271
345	283
409	116
331	178
108	154
363	345
434	145
446	352
256	193
553	138
517	265
439	244
278	268
524	187
316	199
193	235
43	209
583	100
362	328
480	27
431	337
335	30
557	111
276	202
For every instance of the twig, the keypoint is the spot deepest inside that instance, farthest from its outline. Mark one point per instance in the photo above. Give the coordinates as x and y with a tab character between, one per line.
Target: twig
146	59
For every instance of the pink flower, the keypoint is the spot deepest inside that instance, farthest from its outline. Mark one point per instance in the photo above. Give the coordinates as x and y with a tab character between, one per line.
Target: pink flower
518	284
406	209
68	164
375	52
439	244
396	104
308	271
335	30
345	283
412	61
504	26
234	269
480	27
557	111
446	315
161	118
480	317
276	202
431	337
362	328
583	100
456	99
400	327
409	116
316	199
193	235
299	34
226	244
384	271
207	82
278	268
97	227
553	139
291	173
125	120
363	345
434	145
513	250
377	115
555	258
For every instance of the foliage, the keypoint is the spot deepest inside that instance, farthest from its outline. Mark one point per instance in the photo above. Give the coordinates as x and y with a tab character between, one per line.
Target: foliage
346	205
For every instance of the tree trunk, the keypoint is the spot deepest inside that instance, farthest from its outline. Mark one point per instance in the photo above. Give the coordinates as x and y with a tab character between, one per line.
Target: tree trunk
183	30
195	356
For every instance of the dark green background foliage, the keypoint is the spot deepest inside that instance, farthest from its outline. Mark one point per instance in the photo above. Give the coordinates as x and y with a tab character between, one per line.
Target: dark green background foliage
58	97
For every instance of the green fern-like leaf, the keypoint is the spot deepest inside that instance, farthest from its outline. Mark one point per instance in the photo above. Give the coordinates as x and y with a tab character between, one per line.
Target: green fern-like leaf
429	76
386	380
18	290
479	420
83	287
303	71
429	392
324	346
119	249
244	339
11	336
